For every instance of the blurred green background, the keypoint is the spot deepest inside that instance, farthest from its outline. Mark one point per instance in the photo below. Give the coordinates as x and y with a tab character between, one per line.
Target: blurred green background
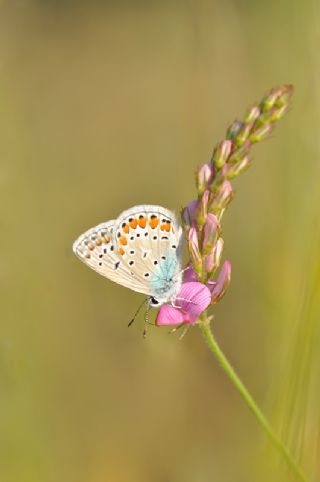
105	105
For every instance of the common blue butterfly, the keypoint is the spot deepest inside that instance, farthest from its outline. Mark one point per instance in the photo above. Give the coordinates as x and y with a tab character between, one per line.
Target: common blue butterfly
141	250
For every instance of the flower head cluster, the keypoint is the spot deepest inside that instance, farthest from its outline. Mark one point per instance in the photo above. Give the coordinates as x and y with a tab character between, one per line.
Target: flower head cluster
201	218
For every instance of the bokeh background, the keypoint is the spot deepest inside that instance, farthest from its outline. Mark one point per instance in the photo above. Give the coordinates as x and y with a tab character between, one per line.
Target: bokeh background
105	105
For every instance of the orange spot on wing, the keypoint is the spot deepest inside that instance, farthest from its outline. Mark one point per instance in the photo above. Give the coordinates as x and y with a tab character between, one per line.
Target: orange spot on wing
133	223
165	227
98	242
126	228
121	251
153	223
106	239
172	229
142	222
123	240
91	246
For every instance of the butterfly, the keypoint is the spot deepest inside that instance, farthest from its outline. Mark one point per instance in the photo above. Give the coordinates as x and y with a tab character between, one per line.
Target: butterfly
141	250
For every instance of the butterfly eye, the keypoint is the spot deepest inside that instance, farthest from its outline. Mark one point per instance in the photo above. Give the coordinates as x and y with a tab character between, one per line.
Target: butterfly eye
154	301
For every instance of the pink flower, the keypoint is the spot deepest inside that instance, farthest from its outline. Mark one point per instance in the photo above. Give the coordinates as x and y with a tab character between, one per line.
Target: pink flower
194	297
216	287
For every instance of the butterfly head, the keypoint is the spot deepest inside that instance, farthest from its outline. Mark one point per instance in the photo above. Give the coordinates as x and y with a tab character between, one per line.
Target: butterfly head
153	302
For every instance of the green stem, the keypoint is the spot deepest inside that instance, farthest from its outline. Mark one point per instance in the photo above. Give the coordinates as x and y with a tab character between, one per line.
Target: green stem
216	350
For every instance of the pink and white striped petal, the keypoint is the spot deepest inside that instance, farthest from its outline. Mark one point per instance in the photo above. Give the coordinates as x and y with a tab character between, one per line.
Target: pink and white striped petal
192	299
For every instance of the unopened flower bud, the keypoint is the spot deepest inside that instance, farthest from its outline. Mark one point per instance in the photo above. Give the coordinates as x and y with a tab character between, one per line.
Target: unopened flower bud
239	153
222	283
204	177
189	214
202	209
194	250
221	198
284	95
252	115
221	153
234	129
212	260
210	232
274	114
261	133
237	169
243	134
269	100
277	97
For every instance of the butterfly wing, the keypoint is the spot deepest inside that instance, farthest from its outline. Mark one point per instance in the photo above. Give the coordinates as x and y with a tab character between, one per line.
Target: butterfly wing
150	241
141	250
98	249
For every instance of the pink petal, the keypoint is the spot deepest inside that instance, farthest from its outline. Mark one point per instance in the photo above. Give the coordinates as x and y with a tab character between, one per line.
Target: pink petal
189	274
193	298
168	315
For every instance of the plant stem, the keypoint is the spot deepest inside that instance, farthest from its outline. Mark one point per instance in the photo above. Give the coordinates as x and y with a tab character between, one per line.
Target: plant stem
216	350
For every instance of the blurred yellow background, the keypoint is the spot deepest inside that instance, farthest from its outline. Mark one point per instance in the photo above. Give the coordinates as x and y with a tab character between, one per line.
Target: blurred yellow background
105	105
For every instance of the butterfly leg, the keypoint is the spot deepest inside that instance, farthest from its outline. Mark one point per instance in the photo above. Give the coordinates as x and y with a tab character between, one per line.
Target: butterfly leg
176	328
184	331
183	299
173	330
146	322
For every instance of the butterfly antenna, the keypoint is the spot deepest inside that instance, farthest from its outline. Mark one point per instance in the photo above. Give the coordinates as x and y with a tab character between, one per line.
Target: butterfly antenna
137	312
